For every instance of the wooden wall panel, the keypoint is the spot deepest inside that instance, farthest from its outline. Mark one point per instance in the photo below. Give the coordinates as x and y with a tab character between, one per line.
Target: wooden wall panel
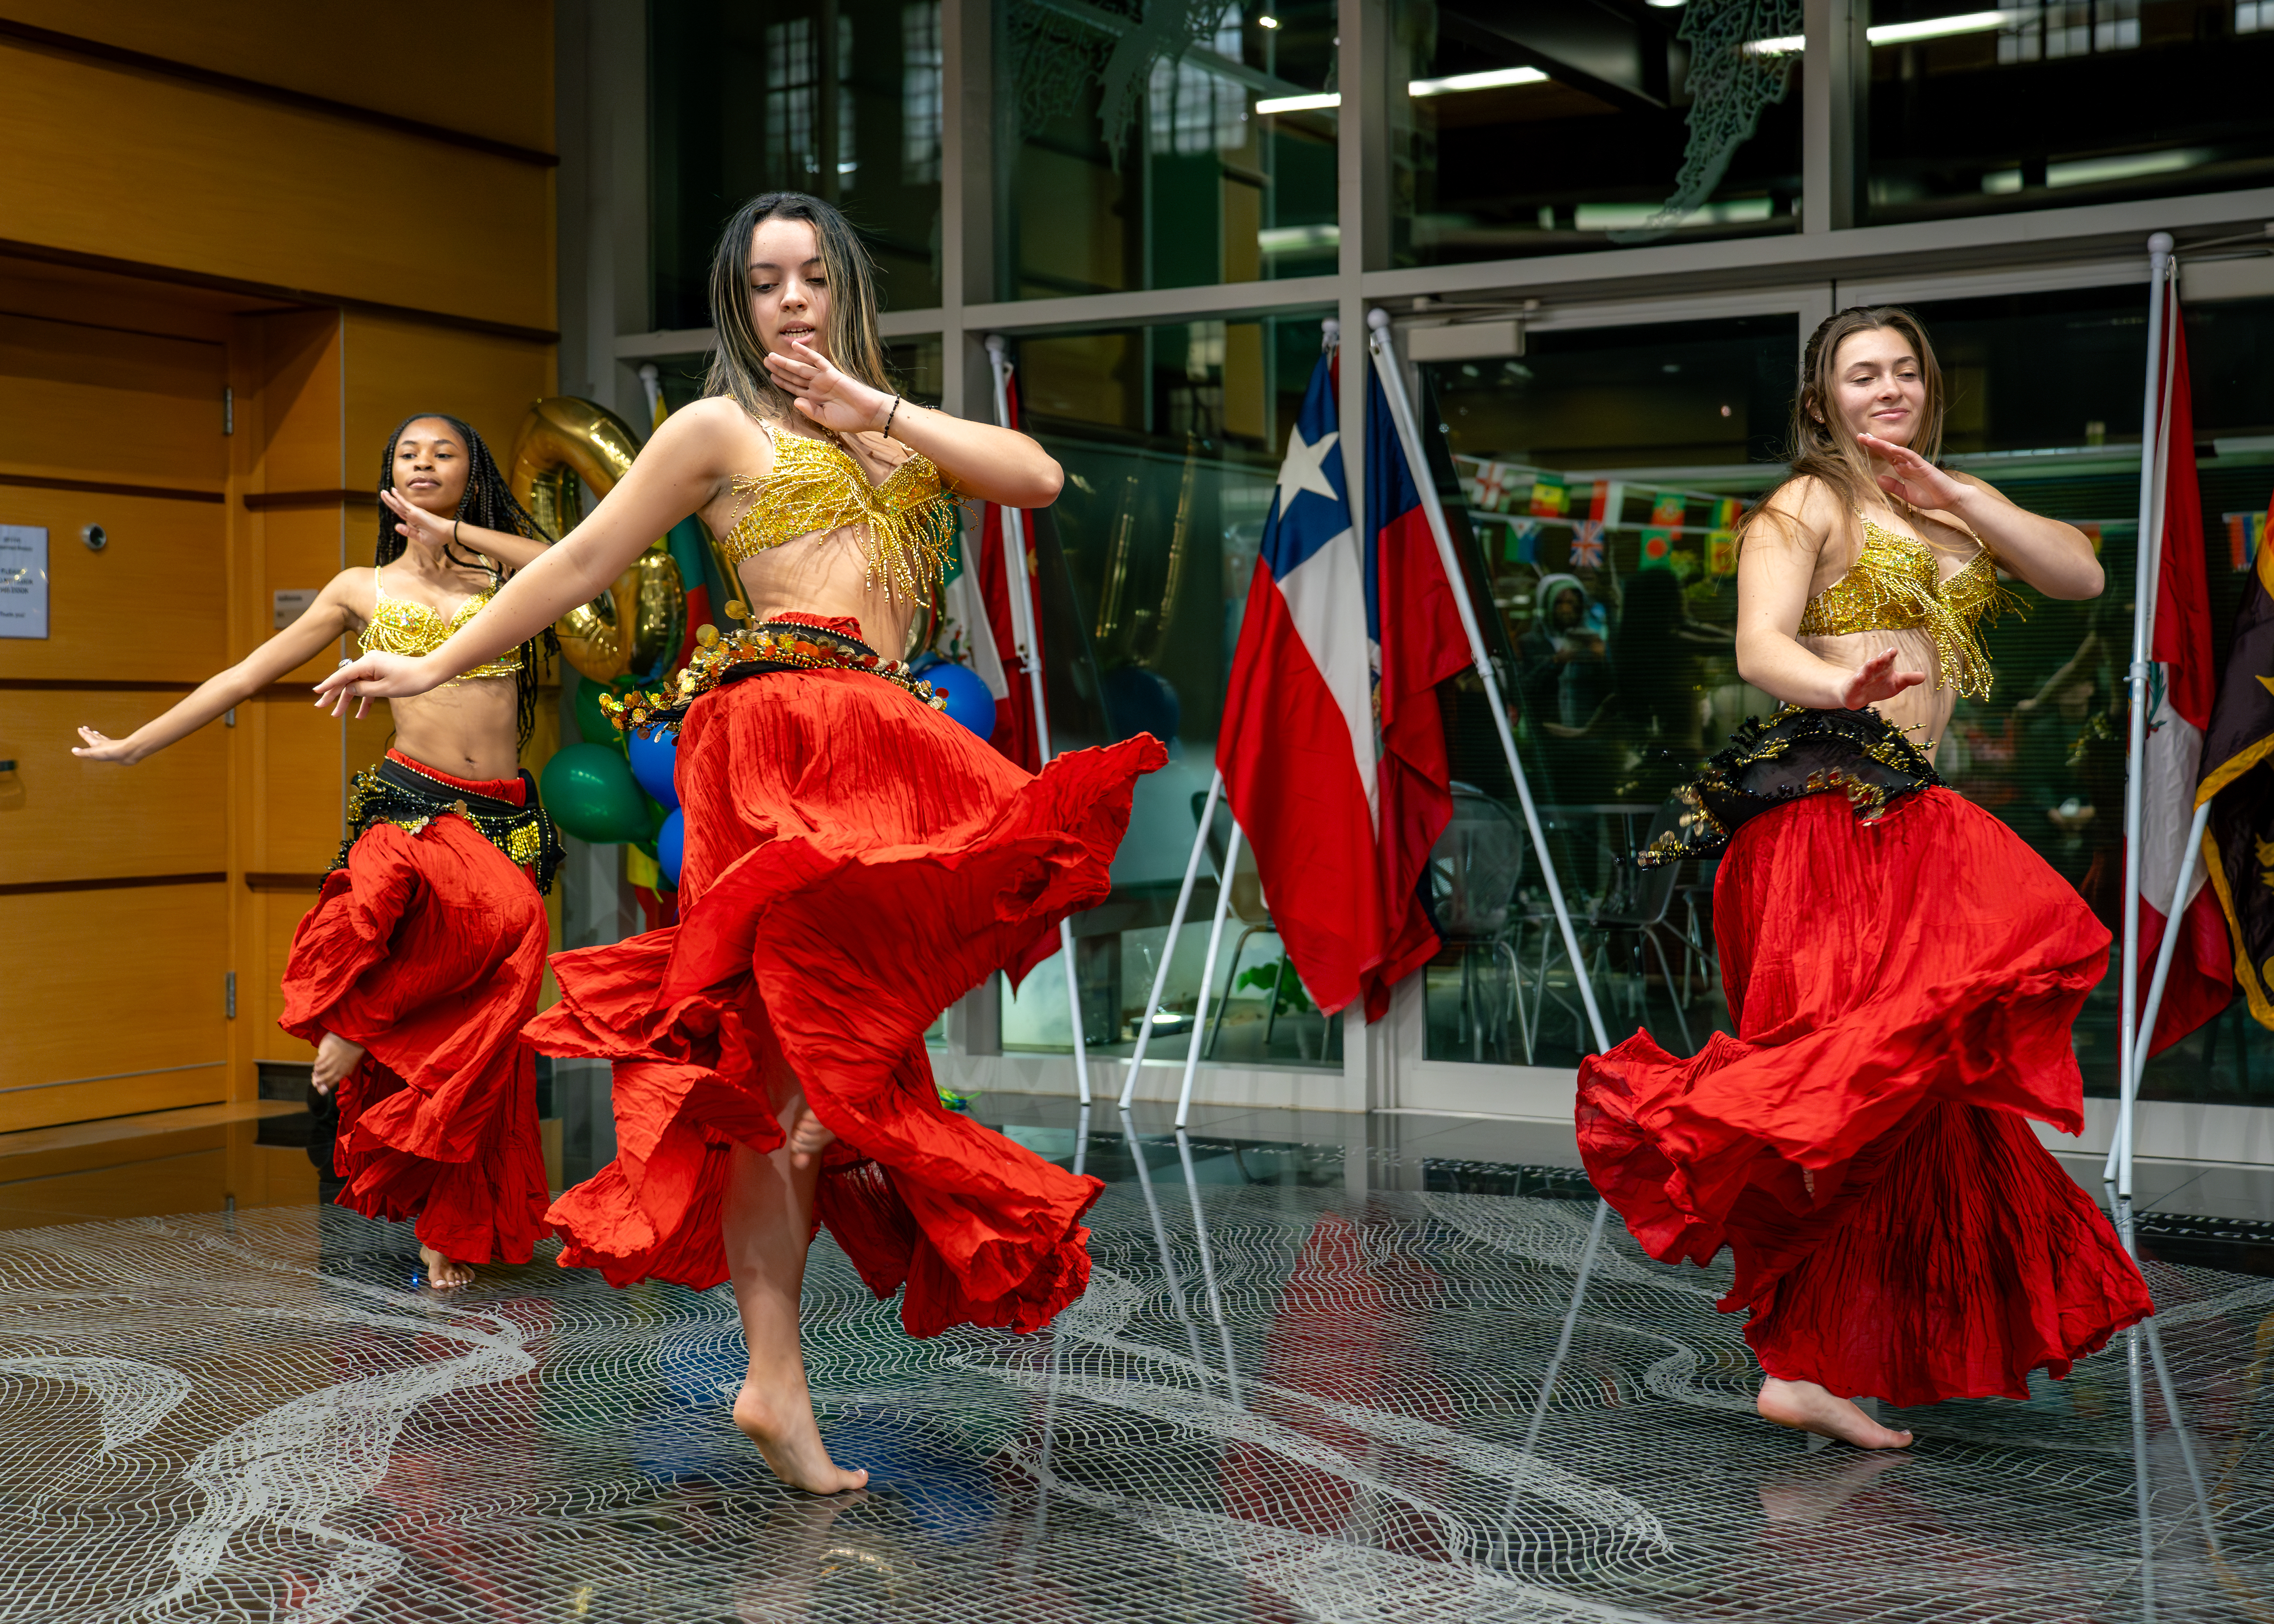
86	820
123	981
107	1096
288	390
276	914
148	608
297	761
227	186
494	79
395	368
86	402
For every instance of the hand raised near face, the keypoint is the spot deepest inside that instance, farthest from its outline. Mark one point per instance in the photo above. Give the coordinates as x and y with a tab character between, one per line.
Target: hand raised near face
824	394
1906	474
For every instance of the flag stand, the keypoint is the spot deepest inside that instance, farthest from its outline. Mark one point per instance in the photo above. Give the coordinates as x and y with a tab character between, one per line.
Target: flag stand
1022	631
1393	385
2131	1044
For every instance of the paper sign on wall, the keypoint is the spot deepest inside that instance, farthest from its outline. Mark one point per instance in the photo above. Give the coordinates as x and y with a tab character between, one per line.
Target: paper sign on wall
290	604
23	581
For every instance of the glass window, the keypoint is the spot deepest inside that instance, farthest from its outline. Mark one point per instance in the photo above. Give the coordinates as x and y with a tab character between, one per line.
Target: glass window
1139	159
2039	104
1546	128
1599	474
1170	438
747	100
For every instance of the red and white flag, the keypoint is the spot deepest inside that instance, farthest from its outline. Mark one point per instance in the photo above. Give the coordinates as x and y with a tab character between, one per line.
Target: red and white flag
1296	745
2179	693
1015	735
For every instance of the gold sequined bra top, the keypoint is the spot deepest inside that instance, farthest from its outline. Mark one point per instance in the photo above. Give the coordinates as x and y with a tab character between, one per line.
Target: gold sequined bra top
399	625
1896	585
817	486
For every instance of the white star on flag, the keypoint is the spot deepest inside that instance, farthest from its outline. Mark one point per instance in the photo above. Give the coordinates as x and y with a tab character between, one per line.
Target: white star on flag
1305	468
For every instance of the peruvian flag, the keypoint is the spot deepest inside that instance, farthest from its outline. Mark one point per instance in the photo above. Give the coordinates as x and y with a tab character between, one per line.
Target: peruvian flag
1413	625
2180	693
1296	745
1014	736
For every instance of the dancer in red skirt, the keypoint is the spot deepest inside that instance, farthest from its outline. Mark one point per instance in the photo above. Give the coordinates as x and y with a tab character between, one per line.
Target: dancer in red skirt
854	860
422	960
1902	970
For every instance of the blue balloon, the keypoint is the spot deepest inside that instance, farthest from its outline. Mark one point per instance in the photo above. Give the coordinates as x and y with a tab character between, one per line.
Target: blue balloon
1141	702
969	702
671	846
654	759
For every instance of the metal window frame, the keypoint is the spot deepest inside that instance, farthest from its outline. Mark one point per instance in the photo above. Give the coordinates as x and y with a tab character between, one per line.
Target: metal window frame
1829	262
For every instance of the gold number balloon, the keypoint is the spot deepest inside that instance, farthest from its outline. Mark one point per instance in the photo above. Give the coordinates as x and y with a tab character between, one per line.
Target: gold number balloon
639	623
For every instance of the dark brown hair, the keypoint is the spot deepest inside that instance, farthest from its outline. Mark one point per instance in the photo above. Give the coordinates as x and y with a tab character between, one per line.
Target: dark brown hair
738	364
1821	446
488	503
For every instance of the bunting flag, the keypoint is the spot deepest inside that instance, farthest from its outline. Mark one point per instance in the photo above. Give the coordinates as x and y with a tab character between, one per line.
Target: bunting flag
1603	505
1657	550
2239	783
2180	692
1586	545
1524	541
1721	552
1667	509
2244	532
1548	496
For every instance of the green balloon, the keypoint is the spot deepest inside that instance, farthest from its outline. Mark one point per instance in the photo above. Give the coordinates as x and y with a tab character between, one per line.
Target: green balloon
589	790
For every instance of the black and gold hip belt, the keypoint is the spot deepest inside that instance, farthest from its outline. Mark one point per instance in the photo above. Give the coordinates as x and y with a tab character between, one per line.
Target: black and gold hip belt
395	793
769	646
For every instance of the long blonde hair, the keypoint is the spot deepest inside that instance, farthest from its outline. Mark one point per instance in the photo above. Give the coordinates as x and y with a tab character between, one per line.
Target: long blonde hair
738	364
1822	448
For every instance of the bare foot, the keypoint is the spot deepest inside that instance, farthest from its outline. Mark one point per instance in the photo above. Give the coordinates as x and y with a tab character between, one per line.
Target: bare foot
444	1273
790	1440
1811	1409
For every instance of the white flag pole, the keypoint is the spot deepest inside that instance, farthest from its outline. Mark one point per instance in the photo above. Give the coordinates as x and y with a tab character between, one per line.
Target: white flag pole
2149	550
1393	384
1022	631
2180	897
1208	970
1169	945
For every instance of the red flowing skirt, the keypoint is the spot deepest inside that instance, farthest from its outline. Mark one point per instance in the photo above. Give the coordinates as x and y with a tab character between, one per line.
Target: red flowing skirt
1903	992
855	862
428	950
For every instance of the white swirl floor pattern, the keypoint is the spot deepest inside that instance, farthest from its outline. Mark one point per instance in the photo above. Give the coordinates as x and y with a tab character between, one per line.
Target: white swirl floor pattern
1275	1402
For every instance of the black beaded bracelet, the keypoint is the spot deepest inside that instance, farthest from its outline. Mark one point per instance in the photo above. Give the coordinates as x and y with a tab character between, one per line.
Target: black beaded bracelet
891	415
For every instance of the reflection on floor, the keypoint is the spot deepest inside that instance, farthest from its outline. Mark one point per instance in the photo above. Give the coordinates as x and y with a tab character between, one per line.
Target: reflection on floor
1307	1382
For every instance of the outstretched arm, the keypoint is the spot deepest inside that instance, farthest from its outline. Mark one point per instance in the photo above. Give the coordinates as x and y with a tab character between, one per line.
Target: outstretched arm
1776	566
2053	557
679	470
319	627
995	465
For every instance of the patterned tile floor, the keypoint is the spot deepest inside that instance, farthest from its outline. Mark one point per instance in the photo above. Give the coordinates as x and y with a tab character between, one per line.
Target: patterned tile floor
1284	1398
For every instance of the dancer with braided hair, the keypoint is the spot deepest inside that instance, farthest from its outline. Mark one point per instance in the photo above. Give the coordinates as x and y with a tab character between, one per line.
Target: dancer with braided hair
854	860
422	956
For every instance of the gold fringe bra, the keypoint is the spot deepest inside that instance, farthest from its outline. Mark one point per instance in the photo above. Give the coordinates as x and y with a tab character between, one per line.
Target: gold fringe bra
817	486
1896	585
402	626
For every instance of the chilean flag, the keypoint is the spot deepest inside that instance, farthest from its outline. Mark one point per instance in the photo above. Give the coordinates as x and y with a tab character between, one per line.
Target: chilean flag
1413	624
2179	693
1296	745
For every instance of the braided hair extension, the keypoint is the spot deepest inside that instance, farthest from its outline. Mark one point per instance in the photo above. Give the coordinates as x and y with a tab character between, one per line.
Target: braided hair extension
489	504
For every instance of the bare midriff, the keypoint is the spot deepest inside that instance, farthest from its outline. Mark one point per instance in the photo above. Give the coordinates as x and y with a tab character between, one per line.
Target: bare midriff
467	729
828	574
1920	712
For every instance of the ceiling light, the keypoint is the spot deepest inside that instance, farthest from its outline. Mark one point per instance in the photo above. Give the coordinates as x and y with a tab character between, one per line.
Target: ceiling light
1267	22
1937	27
1492	78
1896	33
